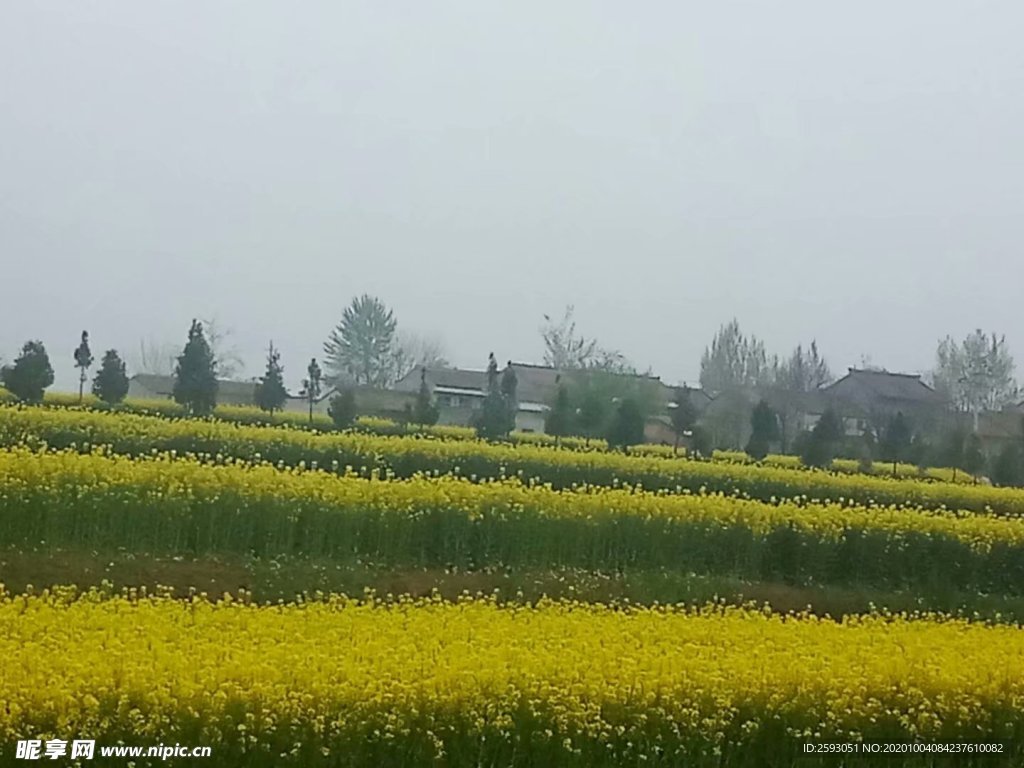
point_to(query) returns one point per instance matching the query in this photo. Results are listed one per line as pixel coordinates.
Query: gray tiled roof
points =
(883, 384)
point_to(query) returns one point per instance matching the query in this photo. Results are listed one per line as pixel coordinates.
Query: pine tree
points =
(558, 421)
(30, 374)
(83, 360)
(311, 385)
(424, 411)
(627, 427)
(270, 392)
(682, 417)
(361, 348)
(195, 375)
(509, 387)
(765, 431)
(492, 421)
(342, 409)
(111, 382)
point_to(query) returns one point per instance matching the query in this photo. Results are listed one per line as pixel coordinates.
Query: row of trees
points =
(31, 373)
(195, 373)
(735, 360)
(974, 375)
(898, 442)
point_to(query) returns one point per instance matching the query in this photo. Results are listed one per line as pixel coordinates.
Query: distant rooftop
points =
(887, 385)
(228, 391)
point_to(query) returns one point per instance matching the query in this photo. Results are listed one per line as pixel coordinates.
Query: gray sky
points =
(847, 171)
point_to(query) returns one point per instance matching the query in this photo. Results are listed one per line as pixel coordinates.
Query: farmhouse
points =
(382, 403)
(459, 393)
(862, 399)
(868, 398)
(149, 386)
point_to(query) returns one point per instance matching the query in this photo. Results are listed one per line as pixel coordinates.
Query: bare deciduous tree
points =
(567, 350)
(155, 357)
(229, 360)
(413, 350)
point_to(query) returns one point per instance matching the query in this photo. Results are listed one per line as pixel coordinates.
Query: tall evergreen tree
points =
(195, 375)
(111, 382)
(311, 385)
(424, 411)
(361, 348)
(271, 394)
(764, 431)
(510, 396)
(627, 426)
(492, 420)
(83, 360)
(558, 421)
(30, 373)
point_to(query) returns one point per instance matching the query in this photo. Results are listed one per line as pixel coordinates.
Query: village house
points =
(863, 399)
(370, 401)
(150, 386)
(459, 394)
(868, 398)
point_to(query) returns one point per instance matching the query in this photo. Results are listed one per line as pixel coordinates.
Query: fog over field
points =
(847, 172)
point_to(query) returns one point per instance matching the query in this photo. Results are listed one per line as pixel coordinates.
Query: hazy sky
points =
(852, 172)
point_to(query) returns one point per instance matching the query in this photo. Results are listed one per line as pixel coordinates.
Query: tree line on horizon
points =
(612, 401)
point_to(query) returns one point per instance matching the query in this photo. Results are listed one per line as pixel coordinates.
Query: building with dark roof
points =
(459, 393)
(149, 386)
(871, 397)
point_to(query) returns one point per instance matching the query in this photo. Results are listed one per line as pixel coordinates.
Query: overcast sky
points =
(851, 172)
